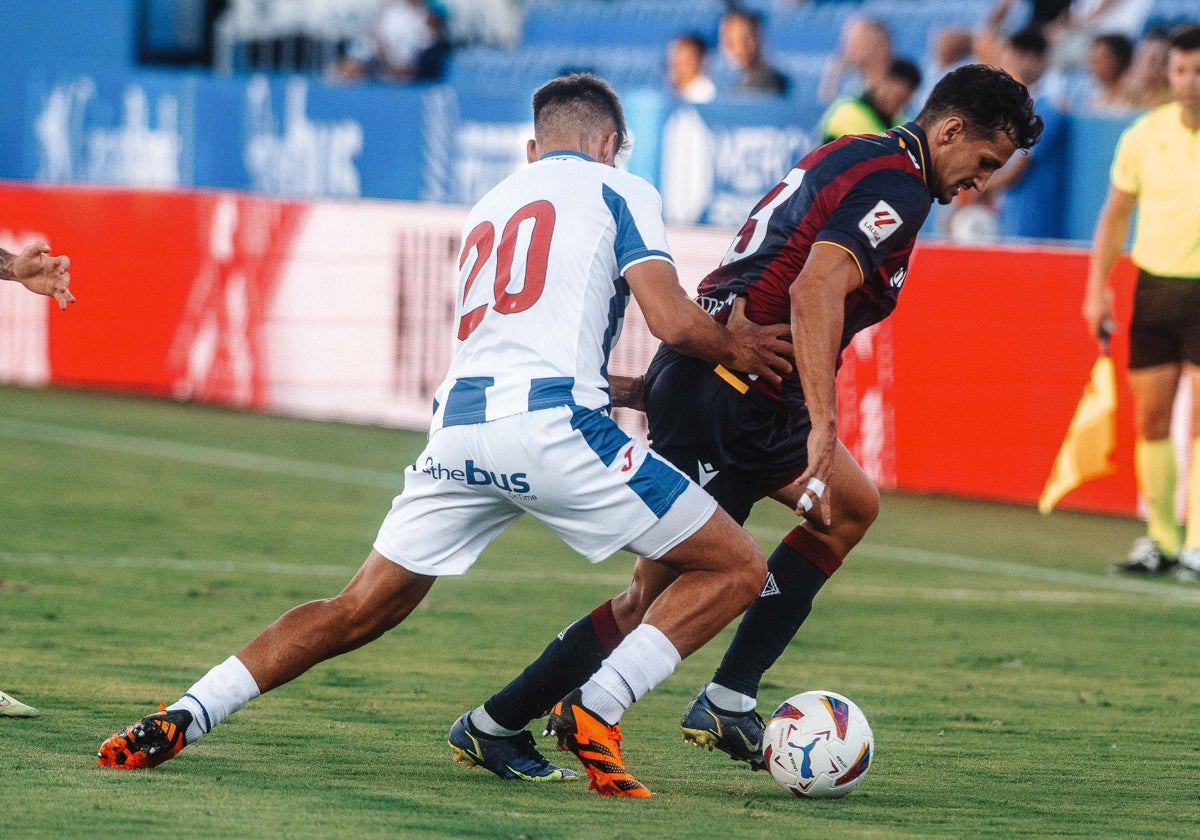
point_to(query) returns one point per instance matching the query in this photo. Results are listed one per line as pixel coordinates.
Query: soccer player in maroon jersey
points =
(827, 251)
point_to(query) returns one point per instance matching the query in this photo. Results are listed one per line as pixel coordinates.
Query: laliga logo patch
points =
(880, 223)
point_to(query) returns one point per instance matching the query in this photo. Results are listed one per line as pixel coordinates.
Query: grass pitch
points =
(1015, 688)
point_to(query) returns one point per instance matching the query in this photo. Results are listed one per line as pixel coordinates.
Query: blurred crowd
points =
(1078, 57)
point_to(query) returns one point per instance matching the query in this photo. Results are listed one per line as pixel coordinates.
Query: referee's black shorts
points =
(1165, 328)
(739, 447)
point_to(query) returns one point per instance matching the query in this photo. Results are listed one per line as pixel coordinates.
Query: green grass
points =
(1015, 688)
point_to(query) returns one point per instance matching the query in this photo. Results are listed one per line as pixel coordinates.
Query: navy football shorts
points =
(739, 447)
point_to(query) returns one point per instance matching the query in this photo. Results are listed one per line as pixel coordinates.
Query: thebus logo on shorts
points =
(476, 476)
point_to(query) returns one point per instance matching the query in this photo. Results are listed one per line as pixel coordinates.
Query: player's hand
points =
(1097, 313)
(815, 483)
(764, 351)
(37, 271)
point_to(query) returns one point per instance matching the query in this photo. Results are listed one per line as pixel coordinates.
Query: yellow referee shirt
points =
(1158, 160)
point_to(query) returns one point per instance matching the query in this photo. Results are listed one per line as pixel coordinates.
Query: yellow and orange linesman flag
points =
(1086, 451)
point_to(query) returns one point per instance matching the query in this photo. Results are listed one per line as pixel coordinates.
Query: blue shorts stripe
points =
(467, 401)
(600, 432)
(658, 485)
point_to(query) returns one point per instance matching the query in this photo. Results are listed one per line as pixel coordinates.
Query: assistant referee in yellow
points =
(1157, 169)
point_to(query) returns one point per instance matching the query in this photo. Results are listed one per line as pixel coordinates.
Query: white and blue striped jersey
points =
(541, 293)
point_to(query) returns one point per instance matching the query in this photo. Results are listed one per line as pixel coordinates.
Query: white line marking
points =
(275, 465)
(583, 575)
(209, 456)
(963, 563)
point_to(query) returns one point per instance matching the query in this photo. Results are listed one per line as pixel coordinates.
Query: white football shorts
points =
(573, 468)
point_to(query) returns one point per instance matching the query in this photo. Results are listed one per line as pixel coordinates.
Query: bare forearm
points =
(6, 262)
(692, 332)
(818, 313)
(1109, 243)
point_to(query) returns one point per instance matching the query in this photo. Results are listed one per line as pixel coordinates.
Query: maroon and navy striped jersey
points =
(867, 194)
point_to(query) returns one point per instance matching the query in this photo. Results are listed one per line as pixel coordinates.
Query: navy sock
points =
(776, 615)
(564, 665)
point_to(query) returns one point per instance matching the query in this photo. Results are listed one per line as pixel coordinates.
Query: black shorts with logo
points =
(738, 447)
(1165, 328)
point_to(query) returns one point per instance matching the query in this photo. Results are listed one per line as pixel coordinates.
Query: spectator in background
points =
(952, 47)
(1028, 190)
(407, 42)
(1146, 82)
(1050, 17)
(878, 109)
(741, 44)
(1154, 169)
(686, 69)
(863, 61)
(1109, 59)
(1088, 18)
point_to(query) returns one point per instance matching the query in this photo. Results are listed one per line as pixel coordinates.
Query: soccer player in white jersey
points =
(521, 425)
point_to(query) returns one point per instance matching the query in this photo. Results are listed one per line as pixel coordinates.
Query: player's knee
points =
(748, 576)
(630, 606)
(866, 511)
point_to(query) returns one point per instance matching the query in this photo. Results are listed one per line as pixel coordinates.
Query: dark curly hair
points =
(988, 100)
(579, 99)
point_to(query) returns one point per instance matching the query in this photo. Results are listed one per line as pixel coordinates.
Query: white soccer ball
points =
(818, 745)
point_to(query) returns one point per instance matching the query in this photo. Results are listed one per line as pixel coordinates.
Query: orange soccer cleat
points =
(597, 746)
(148, 743)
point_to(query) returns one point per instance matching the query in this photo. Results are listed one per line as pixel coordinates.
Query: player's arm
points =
(1112, 228)
(39, 272)
(818, 306)
(677, 320)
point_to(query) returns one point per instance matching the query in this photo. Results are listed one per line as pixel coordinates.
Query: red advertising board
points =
(346, 310)
(991, 358)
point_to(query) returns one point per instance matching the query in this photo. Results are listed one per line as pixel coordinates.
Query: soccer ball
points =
(818, 745)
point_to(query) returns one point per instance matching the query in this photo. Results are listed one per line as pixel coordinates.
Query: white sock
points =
(485, 723)
(729, 700)
(644, 658)
(218, 694)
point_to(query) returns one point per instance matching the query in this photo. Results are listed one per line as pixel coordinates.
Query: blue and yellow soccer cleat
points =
(740, 735)
(515, 757)
(147, 743)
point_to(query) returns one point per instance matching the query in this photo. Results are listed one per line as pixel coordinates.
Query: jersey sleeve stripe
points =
(645, 256)
(630, 245)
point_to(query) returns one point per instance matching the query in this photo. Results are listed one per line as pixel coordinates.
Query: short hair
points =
(989, 100)
(1031, 39)
(579, 100)
(751, 17)
(694, 41)
(1185, 37)
(1120, 46)
(905, 71)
